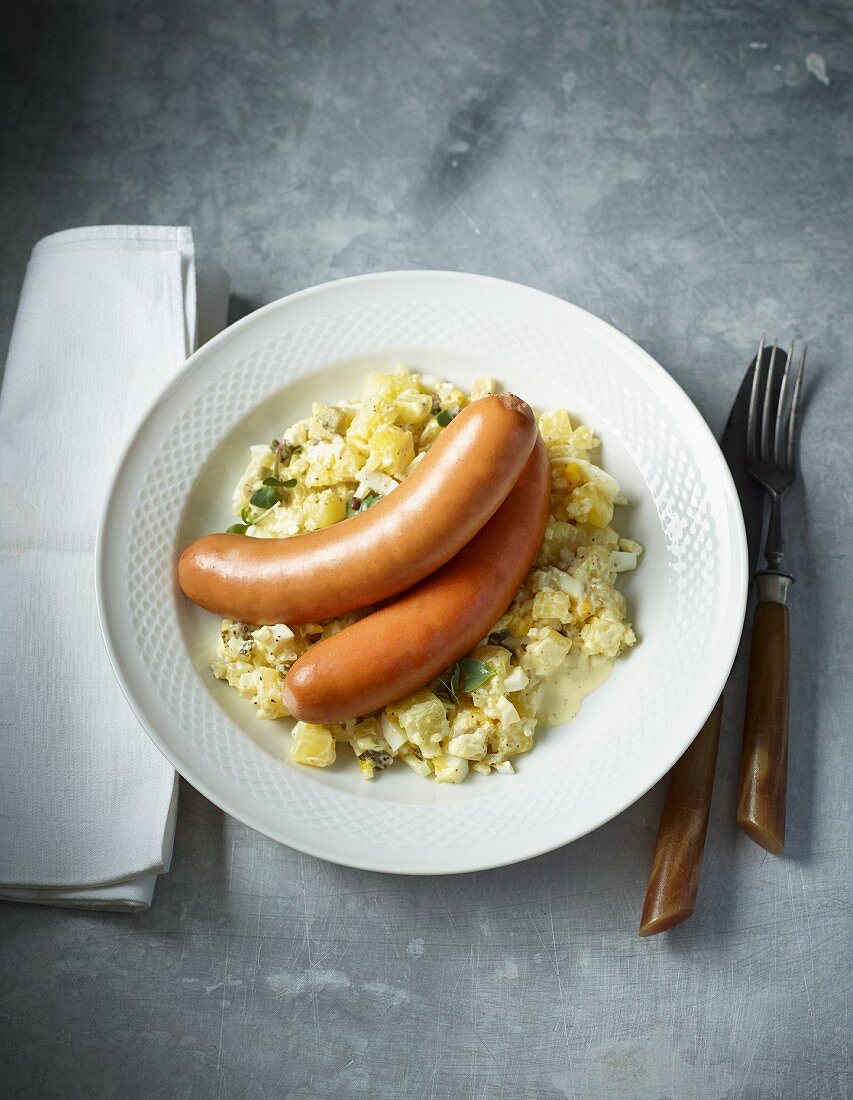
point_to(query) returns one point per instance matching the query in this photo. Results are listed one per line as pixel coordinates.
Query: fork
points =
(772, 444)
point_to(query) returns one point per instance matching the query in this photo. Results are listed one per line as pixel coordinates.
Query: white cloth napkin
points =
(107, 314)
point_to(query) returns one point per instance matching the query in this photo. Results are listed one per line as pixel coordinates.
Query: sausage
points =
(450, 494)
(401, 647)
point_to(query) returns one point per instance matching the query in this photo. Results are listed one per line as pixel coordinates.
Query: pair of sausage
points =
(469, 519)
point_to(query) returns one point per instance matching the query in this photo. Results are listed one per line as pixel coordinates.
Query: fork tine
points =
(752, 418)
(766, 444)
(792, 421)
(779, 427)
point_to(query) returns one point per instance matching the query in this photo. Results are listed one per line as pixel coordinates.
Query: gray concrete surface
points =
(684, 171)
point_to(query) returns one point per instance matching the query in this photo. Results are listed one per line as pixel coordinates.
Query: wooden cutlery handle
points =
(674, 877)
(764, 761)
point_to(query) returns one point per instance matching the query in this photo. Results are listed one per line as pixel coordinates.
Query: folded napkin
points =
(107, 315)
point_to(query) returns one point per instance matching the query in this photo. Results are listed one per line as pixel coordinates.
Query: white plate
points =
(686, 600)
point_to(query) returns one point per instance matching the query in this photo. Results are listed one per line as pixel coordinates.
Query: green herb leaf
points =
(274, 483)
(446, 680)
(474, 673)
(238, 528)
(449, 680)
(246, 516)
(444, 417)
(265, 497)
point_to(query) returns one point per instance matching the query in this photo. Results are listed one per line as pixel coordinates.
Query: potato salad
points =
(482, 712)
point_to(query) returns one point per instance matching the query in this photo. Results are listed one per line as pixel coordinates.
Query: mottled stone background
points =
(683, 170)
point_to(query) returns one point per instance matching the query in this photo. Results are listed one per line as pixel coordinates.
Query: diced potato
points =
(232, 671)
(388, 387)
(323, 509)
(584, 439)
(367, 737)
(343, 731)
(312, 744)
(525, 700)
(237, 671)
(470, 746)
(373, 415)
(496, 657)
(247, 684)
(485, 696)
(423, 718)
(467, 719)
(589, 504)
(411, 409)
(520, 623)
(605, 634)
(593, 563)
(592, 473)
(482, 387)
(516, 739)
(391, 450)
(269, 701)
(556, 426)
(548, 604)
(547, 652)
(559, 537)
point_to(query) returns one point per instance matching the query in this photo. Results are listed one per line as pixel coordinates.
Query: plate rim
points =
(738, 585)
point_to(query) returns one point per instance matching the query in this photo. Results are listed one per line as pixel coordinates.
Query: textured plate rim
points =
(738, 580)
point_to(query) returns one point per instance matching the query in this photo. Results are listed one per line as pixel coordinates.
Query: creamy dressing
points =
(562, 691)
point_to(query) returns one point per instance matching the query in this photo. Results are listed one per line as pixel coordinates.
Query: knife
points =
(677, 863)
